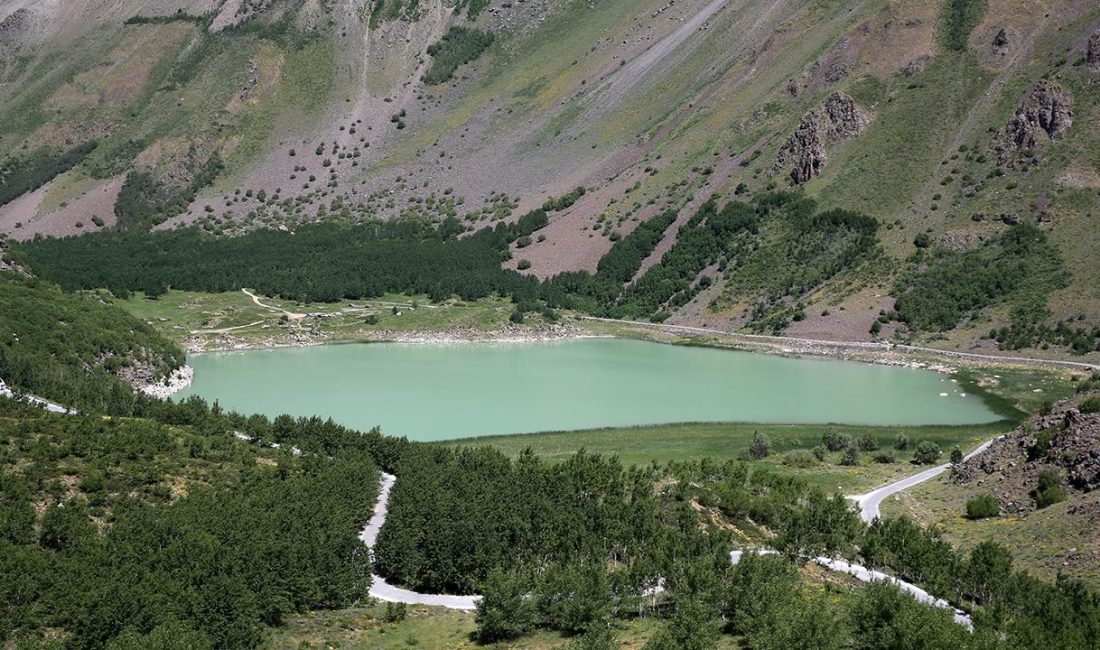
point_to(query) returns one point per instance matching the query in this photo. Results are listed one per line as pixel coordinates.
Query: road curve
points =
(383, 590)
(869, 503)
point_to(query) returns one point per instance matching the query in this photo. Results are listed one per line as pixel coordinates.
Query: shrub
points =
(1049, 490)
(927, 453)
(819, 452)
(799, 458)
(885, 457)
(834, 441)
(458, 46)
(851, 456)
(523, 265)
(902, 442)
(1091, 405)
(982, 507)
(956, 455)
(868, 442)
(761, 446)
(394, 613)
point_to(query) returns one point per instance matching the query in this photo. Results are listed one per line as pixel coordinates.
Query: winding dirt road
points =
(289, 314)
(384, 591)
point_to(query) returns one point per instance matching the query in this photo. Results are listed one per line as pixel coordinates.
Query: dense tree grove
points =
(446, 532)
(21, 175)
(173, 529)
(69, 347)
(144, 201)
(324, 262)
(458, 46)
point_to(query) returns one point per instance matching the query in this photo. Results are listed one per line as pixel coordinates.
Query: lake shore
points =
(581, 327)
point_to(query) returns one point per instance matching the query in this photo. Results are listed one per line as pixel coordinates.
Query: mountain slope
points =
(242, 115)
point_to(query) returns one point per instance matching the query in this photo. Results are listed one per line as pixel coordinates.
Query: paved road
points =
(855, 345)
(869, 503)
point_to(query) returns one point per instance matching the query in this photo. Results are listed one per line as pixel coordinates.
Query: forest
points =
(1020, 268)
(577, 545)
(70, 347)
(170, 528)
(458, 46)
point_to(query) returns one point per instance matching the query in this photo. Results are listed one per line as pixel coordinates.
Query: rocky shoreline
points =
(176, 381)
(507, 334)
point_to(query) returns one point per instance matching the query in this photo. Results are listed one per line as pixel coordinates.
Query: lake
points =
(444, 391)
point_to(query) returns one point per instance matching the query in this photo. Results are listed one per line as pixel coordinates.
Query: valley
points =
(652, 324)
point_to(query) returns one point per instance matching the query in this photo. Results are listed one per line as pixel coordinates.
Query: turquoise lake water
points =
(438, 392)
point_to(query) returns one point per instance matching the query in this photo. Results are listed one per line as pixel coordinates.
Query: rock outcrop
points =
(804, 153)
(1046, 113)
(1092, 55)
(1065, 439)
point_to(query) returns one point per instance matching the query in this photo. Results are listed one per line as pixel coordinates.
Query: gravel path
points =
(289, 314)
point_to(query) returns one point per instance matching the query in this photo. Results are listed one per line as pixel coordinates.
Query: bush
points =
(982, 507)
(868, 442)
(1091, 405)
(1049, 490)
(956, 455)
(834, 441)
(799, 458)
(902, 442)
(885, 457)
(761, 446)
(459, 46)
(928, 453)
(394, 613)
(851, 456)
(819, 452)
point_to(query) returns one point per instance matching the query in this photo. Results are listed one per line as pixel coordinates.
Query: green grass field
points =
(729, 441)
(203, 320)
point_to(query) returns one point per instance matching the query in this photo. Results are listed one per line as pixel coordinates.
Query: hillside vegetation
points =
(945, 123)
(73, 348)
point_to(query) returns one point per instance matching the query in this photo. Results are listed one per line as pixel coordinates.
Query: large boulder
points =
(804, 153)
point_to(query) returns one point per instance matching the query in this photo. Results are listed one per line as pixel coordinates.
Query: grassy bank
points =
(730, 441)
(209, 320)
